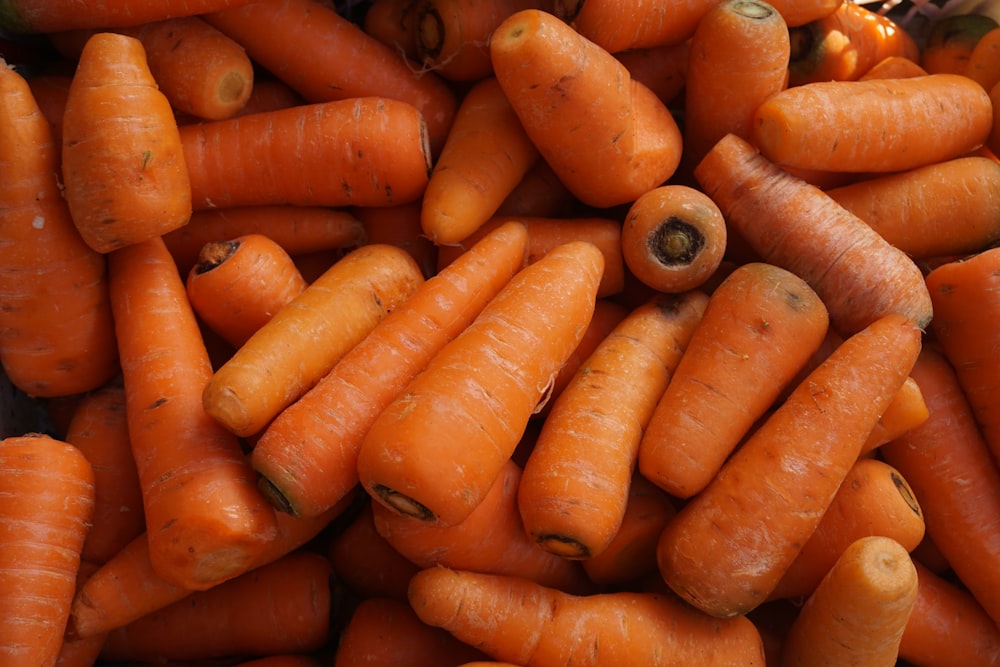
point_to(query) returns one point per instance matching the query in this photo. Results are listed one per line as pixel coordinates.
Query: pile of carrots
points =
(495, 332)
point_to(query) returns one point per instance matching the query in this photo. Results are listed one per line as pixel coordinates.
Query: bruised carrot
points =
(400, 226)
(124, 173)
(433, 453)
(392, 23)
(308, 335)
(789, 223)
(760, 327)
(575, 486)
(48, 16)
(907, 410)
(662, 69)
(951, 41)
(519, 621)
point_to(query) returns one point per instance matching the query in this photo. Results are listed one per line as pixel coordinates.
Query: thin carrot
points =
(951, 41)
(433, 453)
(859, 611)
(575, 487)
(760, 326)
(893, 67)
(563, 87)
(124, 173)
(46, 501)
(204, 516)
(48, 16)
(55, 317)
(306, 337)
(400, 226)
(983, 65)
(485, 156)
(307, 457)
(858, 274)
(392, 23)
(366, 151)
(907, 410)
(772, 493)
(239, 284)
(662, 69)
(895, 124)
(519, 621)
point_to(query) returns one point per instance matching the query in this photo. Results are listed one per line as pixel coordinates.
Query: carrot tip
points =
(403, 503)
(274, 496)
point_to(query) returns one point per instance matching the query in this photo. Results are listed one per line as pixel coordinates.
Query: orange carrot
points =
(895, 124)
(486, 154)
(239, 284)
(433, 453)
(662, 69)
(123, 167)
(55, 318)
(50, 91)
(893, 67)
(951, 41)
(983, 65)
(284, 358)
(993, 141)
(772, 493)
(759, 329)
(366, 151)
(400, 226)
(538, 194)
(519, 621)
(307, 457)
(563, 87)
(268, 94)
(575, 488)
(859, 611)
(907, 410)
(930, 556)
(392, 23)
(857, 274)
(81, 651)
(673, 238)
(617, 26)
(47, 16)
(204, 516)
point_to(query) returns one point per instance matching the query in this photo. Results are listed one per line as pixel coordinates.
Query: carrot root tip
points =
(403, 503)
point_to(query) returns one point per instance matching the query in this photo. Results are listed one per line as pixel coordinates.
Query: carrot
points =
(55, 318)
(993, 141)
(662, 69)
(859, 611)
(909, 209)
(368, 151)
(400, 226)
(282, 360)
(239, 284)
(268, 94)
(759, 329)
(951, 41)
(873, 499)
(519, 621)
(563, 86)
(434, 452)
(906, 410)
(49, 16)
(844, 45)
(983, 65)
(282, 607)
(392, 23)
(575, 488)
(50, 91)
(858, 275)
(485, 156)
(673, 238)
(307, 458)
(951, 471)
(324, 56)
(81, 652)
(538, 194)
(124, 173)
(891, 123)
(772, 493)
(893, 67)
(619, 26)
(204, 516)
(928, 554)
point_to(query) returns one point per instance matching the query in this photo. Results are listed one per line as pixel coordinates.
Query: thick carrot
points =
(237, 285)
(48, 16)
(400, 226)
(485, 156)
(434, 452)
(55, 318)
(519, 621)
(772, 493)
(306, 337)
(760, 327)
(124, 173)
(673, 238)
(392, 23)
(575, 487)
(364, 151)
(789, 223)
(858, 613)
(205, 518)
(662, 69)
(895, 124)
(324, 56)
(983, 65)
(951, 41)
(564, 87)
(46, 501)
(307, 457)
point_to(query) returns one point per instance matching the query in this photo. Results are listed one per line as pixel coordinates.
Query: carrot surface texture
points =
(516, 620)
(434, 452)
(951, 41)
(45, 16)
(564, 87)
(124, 173)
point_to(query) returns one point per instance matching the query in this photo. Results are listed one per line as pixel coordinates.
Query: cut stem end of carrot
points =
(676, 243)
(564, 546)
(403, 503)
(274, 496)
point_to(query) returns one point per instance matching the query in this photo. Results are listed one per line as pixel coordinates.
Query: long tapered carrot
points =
(307, 457)
(519, 621)
(574, 490)
(205, 518)
(46, 16)
(772, 493)
(434, 452)
(789, 223)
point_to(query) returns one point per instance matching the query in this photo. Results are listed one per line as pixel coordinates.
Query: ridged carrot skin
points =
(45, 16)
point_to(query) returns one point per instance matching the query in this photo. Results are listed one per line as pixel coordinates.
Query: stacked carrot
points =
(499, 333)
